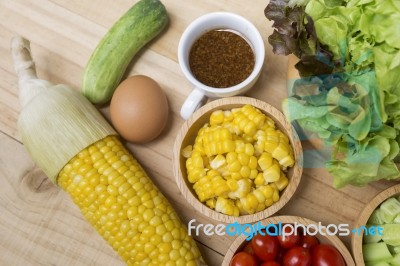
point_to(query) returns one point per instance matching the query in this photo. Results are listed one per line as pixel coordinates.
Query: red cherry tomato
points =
(309, 242)
(243, 259)
(297, 256)
(280, 255)
(265, 247)
(290, 239)
(248, 248)
(270, 263)
(327, 255)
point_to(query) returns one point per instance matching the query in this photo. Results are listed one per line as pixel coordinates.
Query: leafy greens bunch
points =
(349, 93)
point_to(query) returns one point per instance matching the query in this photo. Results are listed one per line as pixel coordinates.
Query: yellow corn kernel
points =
(283, 138)
(234, 166)
(245, 171)
(198, 147)
(258, 147)
(267, 191)
(220, 188)
(232, 184)
(273, 173)
(236, 175)
(259, 180)
(253, 173)
(226, 206)
(249, 149)
(228, 145)
(275, 196)
(243, 158)
(211, 203)
(259, 195)
(253, 162)
(122, 205)
(240, 146)
(195, 174)
(265, 161)
(231, 157)
(217, 117)
(282, 182)
(187, 151)
(223, 171)
(270, 145)
(249, 203)
(211, 173)
(269, 202)
(281, 151)
(218, 161)
(287, 161)
(261, 206)
(239, 188)
(197, 160)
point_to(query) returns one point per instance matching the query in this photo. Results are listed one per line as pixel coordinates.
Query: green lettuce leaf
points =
(349, 95)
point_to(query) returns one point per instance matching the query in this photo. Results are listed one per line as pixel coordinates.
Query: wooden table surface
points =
(39, 224)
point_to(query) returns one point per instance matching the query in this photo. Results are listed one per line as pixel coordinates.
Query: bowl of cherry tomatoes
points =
(287, 241)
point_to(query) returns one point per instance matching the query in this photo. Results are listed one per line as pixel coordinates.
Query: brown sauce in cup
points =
(221, 59)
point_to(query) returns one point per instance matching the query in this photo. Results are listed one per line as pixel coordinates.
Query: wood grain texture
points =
(188, 133)
(39, 225)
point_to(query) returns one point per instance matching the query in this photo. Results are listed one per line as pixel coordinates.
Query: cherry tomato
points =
(265, 247)
(309, 242)
(297, 256)
(290, 239)
(248, 249)
(270, 263)
(280, 255)
(243, 259)
(327, 255)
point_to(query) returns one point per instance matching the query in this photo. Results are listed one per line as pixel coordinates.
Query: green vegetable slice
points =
(376, 252)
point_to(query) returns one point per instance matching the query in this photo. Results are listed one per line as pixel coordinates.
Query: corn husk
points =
(56, 121)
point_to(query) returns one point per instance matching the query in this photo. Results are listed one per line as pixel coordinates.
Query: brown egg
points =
(139, 109)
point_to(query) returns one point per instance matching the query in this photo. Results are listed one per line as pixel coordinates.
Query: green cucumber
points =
(396, 219)
(396, 260)
(110, 59)
(390, 208)
(391, 234)
(396, 250)
(371, 237)
(376, 217)
(376, 252)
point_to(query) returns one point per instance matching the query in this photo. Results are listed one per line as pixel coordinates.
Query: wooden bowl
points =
(357, 239)
(188, 133)
(240, 241)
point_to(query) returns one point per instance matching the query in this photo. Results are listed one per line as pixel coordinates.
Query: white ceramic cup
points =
(203, 24)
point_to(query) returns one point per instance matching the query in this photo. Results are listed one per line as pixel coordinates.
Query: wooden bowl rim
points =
(333, 240)
(356, 240)
(278, 117)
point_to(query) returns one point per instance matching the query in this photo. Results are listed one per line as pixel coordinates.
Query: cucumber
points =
(396, 250)
(391, 234)
(390, 208)
(376, 217)
(396, 260)
(110, 59)
(376, 252)
(371, 238)
(396, 219)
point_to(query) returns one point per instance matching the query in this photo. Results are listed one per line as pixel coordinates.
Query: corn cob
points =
(246, 155)
(79, 151)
